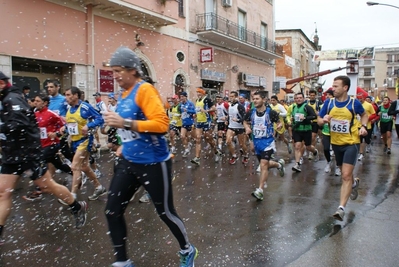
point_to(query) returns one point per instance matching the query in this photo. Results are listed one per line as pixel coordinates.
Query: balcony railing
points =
(213, 22)
(368, 73)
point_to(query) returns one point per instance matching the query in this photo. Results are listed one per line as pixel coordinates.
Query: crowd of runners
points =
(61, 133)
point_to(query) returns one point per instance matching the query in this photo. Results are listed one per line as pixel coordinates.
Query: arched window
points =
(179, 84)
(144, 69)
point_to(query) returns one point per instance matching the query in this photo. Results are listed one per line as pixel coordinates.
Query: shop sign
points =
(106, 81)
(210, 75)
(251, 80)
(206, 54)
(262, 82)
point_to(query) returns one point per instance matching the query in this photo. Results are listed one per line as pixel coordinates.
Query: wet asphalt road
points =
(228, 226)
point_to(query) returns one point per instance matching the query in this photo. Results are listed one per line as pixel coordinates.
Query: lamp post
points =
(381, 4)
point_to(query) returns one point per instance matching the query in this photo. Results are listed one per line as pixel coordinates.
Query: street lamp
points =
(375, 3)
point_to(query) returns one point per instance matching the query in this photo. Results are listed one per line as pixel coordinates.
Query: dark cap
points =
(330, 92)
(3, 76)
(125, 58)
(97, 94)
(183, 94)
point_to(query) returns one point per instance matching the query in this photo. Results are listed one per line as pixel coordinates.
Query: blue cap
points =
(112, 95)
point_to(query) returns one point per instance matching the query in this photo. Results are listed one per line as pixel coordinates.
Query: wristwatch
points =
(127, 124)
(365, 126)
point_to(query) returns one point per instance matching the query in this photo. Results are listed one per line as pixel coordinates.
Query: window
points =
(242, 25)
(180, 56)
(263, 35)
(181, 8)
(179, 84)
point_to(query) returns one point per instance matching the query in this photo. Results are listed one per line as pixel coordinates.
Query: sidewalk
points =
(371, 240)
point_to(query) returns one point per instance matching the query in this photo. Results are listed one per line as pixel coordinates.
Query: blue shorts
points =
(84, 144)
(206, 126)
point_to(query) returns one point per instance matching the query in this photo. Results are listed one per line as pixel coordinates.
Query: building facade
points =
(298, 60)
(386, 73)
(218, 45)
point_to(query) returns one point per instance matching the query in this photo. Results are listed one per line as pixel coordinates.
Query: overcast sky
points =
(341, 24)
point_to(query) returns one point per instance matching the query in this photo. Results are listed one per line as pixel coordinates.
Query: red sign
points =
(206, 54)
(105, 81)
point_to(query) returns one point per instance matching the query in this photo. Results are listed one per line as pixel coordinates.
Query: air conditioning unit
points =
(242, 77)
(227, 3)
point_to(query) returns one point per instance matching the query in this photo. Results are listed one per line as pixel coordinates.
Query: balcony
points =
(217, 30)
(368, 73)
(393, 62)
(149, 13)
(366, 62)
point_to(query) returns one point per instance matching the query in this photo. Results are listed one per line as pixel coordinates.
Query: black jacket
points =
(19, 128)
(392, 108)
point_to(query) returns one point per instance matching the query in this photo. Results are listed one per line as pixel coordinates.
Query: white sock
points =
(185, 251)
(342, 208)
(354, 183)
(74, 195)
(99, 187)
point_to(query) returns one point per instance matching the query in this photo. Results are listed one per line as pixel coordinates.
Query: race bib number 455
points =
(128, 136)
(339, 126)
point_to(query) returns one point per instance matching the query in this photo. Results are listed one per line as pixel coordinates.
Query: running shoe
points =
(301, 160)
(98, 192)
(258, 194)
(289, 148)
(33, 196)
(196, 161)
(173, 150)
(218, 155)
(310, 155)
(327, 169)
(145, 198)
(186, 153)
(337, 171)
(97, 173)
(81, 215)
(296, 167)
(233, 160)
(360, 157)
(187, 260)
(354, 192)
(58, 171)
(385, 149)
(368, 149)
(281, 168)
(245, 160)
(258, 169)
(316, 156)
(339, 214)
(128, 264)
(241, 151)
(83, 180)
(389, 151)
